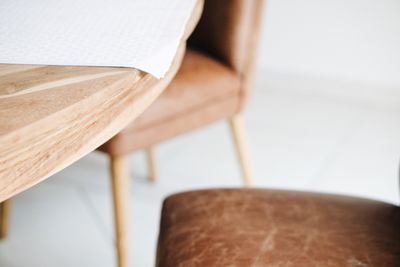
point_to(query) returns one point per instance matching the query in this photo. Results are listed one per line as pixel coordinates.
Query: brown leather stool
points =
(253, 227)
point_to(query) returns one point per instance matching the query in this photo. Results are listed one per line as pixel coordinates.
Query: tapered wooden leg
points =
(120, 192)
(240, 141)
(151, 163)
(5, 208)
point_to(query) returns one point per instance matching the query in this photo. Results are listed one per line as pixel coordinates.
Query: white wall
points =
(345, 39)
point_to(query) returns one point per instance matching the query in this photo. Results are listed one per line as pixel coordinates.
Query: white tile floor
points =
(307, 134)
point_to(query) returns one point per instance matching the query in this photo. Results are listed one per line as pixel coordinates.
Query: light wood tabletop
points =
(51, 116)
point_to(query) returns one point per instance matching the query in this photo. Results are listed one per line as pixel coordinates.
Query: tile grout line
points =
(324, 166)
(98, 221)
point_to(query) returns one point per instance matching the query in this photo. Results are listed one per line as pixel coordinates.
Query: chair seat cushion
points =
(203, 91)
(240, 227)
(199, 81)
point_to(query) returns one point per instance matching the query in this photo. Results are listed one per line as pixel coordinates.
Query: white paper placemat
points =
(142, 34)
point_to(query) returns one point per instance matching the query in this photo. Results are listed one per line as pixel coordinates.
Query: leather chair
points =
(255, 227)
(212, 84)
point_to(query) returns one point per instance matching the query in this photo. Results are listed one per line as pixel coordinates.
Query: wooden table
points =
(52, 116)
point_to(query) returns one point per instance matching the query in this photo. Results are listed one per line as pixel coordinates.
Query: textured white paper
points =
(142, 34)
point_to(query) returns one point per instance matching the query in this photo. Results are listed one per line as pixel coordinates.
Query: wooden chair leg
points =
(240, 141)
(151, 162)
(120, 192)
(5, 208)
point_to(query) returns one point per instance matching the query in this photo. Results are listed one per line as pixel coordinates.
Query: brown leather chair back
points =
(228, 30)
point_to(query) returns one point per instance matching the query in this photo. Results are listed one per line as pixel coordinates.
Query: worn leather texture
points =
(212, 84)
(255, 227)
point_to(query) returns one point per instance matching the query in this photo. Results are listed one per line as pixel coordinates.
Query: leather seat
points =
(200, 80)
(236, 227)
(213, 84)
(204, 90)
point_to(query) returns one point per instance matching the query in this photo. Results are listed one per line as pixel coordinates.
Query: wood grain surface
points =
(50, 116)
